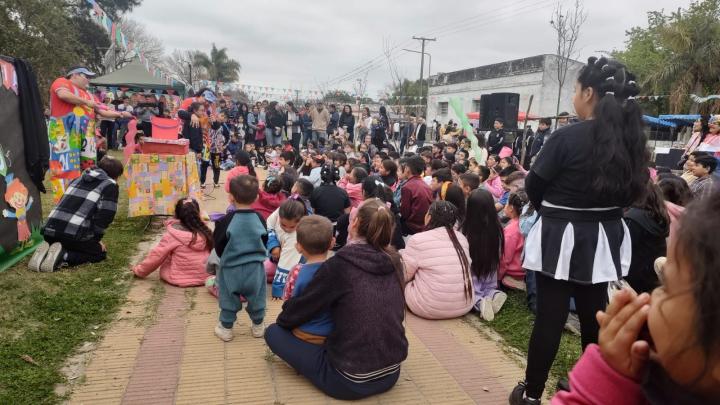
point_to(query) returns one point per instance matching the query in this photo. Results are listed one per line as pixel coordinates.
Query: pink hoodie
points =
(181, 263)
(510, 262)
(354, 191)
(593, 381)
(267, 203)
(494, 186)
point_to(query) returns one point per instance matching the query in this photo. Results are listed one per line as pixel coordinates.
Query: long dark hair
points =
(445, 214)
(187, 211)
(455, 195)
(349, 113)
(243, 158)
(484, 233)
(654, 204)
(620, 157)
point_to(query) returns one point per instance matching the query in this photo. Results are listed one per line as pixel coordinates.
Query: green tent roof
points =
(136, 75)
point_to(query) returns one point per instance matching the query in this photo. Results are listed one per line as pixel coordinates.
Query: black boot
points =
(517, 396)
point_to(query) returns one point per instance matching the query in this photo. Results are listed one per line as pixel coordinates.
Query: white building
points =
(535, 75)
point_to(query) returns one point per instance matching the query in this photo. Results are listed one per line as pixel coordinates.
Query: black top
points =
(648, 243)
(329, 201)
(564, 165)
(361, 289)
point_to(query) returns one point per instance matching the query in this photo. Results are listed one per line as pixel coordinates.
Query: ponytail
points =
(375, 224)
(187, 211)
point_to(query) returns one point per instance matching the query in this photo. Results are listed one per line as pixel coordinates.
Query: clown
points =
(17, 197)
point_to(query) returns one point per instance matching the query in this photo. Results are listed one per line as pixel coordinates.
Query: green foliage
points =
(219, 66)
(676, 53)
(407, 91)
(339, 96)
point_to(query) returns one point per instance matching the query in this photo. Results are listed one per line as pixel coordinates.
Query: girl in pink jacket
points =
(662, 348)
(437, 267)
(352, 184)
(183, 250)
(510, 271)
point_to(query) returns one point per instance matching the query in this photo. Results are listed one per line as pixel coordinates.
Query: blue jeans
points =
(312, 362)
(319, 136)
(275, 138)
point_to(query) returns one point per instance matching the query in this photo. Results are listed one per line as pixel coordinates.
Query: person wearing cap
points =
(205, 96)
(69, 95)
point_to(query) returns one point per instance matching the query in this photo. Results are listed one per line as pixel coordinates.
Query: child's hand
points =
(275, 253)
(620, 326)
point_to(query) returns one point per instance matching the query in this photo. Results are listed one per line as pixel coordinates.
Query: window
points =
(476, 105)
(443, 108)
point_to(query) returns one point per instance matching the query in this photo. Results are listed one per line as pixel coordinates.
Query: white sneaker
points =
(498, 300)
(53, 258)
(486, 309)
(223, 333)
(258, 330)
(38, 257)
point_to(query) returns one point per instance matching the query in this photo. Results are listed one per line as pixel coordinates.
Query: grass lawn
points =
(515, 322)
(44, 317)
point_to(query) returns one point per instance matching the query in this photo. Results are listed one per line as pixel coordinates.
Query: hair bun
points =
(591, 60)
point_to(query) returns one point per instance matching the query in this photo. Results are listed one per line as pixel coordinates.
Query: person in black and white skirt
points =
(581, 181)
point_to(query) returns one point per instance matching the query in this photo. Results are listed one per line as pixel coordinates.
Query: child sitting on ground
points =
(270, 195)
(75, 227)
(510, 271)
(352, 184)
(240, 239)
(281, 242)
(314, 240)
(183, 250)
(664, 348)
(243, 165)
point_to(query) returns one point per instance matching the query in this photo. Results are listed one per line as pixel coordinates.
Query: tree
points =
(151, 46)
(567, 24)
(184, 65)
(220, 67)
(675, 54)
(339, 96)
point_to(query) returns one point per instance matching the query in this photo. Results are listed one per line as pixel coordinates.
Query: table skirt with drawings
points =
(155, 183)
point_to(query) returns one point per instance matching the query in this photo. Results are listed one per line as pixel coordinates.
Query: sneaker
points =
(216, 186)
(223, 333)
(38, 257)
(563, 385)
(572, 324)
(517, 396)
(258, 330)
(498, 300)
(53, 258)
(486, 309)
(513, 283)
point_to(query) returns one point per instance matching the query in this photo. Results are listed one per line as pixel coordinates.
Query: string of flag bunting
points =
(100, 17)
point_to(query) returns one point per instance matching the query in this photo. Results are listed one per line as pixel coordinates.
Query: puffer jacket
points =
(435, 287)
(354, 191)
(181, 263)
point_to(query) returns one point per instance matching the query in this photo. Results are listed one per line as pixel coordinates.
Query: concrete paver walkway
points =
(173, 357)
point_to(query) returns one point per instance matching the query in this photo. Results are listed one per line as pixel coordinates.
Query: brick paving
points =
(176, 359)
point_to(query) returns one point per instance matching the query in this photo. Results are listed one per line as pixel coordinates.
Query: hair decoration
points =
(612, 93)
(610, 78)
(631, 98)
(381, 207)
(631, 83)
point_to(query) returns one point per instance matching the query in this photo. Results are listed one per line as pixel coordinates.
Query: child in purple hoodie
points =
(662, 348)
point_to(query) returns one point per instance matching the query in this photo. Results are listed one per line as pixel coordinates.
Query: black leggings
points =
(80, 252)
(215, 161)
(552, 311)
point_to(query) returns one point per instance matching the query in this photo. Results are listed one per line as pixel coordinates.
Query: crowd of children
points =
(441, 233)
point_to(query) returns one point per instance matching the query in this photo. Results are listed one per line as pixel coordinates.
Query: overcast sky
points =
(303, 43)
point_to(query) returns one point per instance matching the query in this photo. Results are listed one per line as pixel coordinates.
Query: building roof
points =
(522, 66)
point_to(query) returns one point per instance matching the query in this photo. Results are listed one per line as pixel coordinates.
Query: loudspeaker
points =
(499, 105)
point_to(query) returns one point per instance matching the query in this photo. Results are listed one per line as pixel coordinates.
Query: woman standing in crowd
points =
(587, 173)
(437, 267)
(380, 129)
(251, 121)
(362, 286)
(275, 123)
(347, 122)
(294, 125)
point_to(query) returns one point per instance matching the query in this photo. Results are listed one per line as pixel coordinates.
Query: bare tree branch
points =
(567, 25)
(151, 46)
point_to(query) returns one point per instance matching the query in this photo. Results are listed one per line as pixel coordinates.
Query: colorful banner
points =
(157, 182)
(20, 208)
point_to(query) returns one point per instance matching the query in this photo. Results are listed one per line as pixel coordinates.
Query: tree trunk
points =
(695, 107)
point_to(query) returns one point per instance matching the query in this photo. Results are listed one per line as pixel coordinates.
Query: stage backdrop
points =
(19, 198)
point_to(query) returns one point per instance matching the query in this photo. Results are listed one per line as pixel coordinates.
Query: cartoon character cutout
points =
(18, 198)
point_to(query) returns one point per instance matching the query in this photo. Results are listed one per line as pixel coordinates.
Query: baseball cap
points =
(80, 70)
(209, 96)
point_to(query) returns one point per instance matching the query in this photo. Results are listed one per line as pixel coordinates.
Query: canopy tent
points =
(680, 119)
(474, 115)
(135, 75)
(653, 121)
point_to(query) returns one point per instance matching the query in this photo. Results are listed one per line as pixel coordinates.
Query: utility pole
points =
(297, 96)
(422, 62)
(191, 78)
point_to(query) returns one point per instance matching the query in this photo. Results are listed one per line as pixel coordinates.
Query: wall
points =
(523, 76)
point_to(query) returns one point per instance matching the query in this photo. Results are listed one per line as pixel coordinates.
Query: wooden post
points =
(525, 130)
